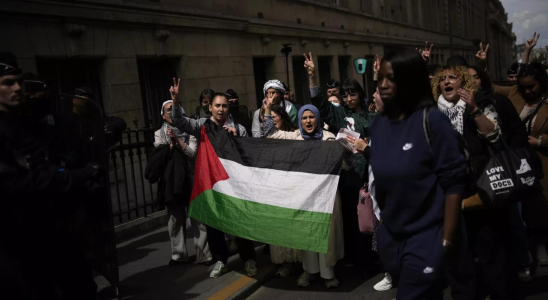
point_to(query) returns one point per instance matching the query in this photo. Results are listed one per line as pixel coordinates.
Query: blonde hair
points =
(461, 72)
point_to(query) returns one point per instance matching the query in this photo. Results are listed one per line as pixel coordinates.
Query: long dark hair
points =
(486, 84)
(286, 121)
(352, 86)
(412, 82)
(537, 71)
(207, 92)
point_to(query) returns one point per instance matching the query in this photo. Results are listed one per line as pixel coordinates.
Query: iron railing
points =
(132, 195)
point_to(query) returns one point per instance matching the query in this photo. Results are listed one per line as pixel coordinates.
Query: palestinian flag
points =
(279, 192)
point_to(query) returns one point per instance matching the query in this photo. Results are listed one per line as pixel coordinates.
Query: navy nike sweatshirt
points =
(412, 177)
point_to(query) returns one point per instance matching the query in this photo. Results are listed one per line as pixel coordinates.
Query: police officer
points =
(36, 262)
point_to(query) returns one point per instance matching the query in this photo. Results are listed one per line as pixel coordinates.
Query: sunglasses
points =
(351, 95)
(169, 109)
(452, 78)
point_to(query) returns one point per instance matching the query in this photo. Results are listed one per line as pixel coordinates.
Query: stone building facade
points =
(129, 49)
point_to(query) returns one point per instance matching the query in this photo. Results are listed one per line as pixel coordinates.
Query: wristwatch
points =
(477, 112)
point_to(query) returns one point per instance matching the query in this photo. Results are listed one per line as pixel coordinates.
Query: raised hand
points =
(426, 52)
(482, 54)
(532, 42)
(372, 107)
(377, 64)
(468, 97)
(309, 64)
(174, 91)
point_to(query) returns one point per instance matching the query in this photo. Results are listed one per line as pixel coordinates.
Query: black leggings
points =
(219, 249)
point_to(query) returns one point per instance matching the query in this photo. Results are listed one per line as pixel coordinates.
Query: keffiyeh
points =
(455, 112)
(166, 139)
(273, 84)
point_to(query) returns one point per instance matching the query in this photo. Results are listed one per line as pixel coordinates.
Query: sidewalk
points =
(144, 273)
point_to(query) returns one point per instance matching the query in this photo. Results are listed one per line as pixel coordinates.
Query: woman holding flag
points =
(313, 262)
(216, 238)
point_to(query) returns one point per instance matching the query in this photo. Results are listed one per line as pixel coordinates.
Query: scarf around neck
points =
(455, 112)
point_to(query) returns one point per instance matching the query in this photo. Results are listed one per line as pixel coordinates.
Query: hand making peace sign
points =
(309, 64)
(174, 91)
(532, 42)
(426, 52)
(482, 54)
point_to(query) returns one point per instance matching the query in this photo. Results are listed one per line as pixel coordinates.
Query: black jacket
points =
(174, 175)
(512, 129)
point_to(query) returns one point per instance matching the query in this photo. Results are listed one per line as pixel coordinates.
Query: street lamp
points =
(286, 50)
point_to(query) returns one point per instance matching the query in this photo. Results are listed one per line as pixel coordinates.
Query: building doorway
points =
(155, 76)
(262, 70)
(300, 76)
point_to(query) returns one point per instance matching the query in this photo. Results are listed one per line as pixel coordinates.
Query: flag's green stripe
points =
(274, 225)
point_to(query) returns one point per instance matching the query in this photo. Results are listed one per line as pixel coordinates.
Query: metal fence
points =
(132, 195)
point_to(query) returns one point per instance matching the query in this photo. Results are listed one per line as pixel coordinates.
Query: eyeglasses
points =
(351, 95)
(273, 93)
(452, 78)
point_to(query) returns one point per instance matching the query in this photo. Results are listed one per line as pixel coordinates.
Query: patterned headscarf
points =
(318, 133)
(273, 84)
(166, 139)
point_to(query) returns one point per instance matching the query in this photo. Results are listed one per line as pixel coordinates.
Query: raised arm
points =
(184, 124)
(529, 45)
(317, 99)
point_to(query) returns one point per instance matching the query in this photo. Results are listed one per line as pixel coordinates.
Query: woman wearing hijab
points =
(313, 262)
(173, 162)
(352, 115)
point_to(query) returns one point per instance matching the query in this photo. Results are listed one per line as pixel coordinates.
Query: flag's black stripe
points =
(315, 157)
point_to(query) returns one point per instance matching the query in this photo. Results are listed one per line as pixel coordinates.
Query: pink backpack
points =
(365, 211)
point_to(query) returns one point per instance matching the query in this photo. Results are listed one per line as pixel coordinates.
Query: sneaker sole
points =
(383, 289)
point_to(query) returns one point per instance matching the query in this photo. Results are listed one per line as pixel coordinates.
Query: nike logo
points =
(407, 147)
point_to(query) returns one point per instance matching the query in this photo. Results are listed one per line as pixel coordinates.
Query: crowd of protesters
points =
(426, 140)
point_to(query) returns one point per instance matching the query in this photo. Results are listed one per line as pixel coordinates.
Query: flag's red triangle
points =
(209, 169)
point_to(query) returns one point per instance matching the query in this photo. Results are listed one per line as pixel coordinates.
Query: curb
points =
(252, 287)
(140, 226)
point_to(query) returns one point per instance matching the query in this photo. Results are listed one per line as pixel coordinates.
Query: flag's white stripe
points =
(295, 190)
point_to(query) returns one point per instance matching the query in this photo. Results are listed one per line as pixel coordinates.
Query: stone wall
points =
(213, 42)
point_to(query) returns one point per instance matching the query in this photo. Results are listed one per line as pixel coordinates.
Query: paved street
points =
(144, 275)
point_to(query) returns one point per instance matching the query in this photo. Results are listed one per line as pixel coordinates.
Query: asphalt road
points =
(356, 286)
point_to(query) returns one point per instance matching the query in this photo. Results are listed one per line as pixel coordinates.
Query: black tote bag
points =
(509, 176)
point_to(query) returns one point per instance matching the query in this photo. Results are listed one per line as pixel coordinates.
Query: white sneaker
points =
(218, 270)
(251, 268)
(524, 275)
(305, 278)
(385, 284)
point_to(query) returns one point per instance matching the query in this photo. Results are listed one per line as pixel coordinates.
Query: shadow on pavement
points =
(133, 251)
